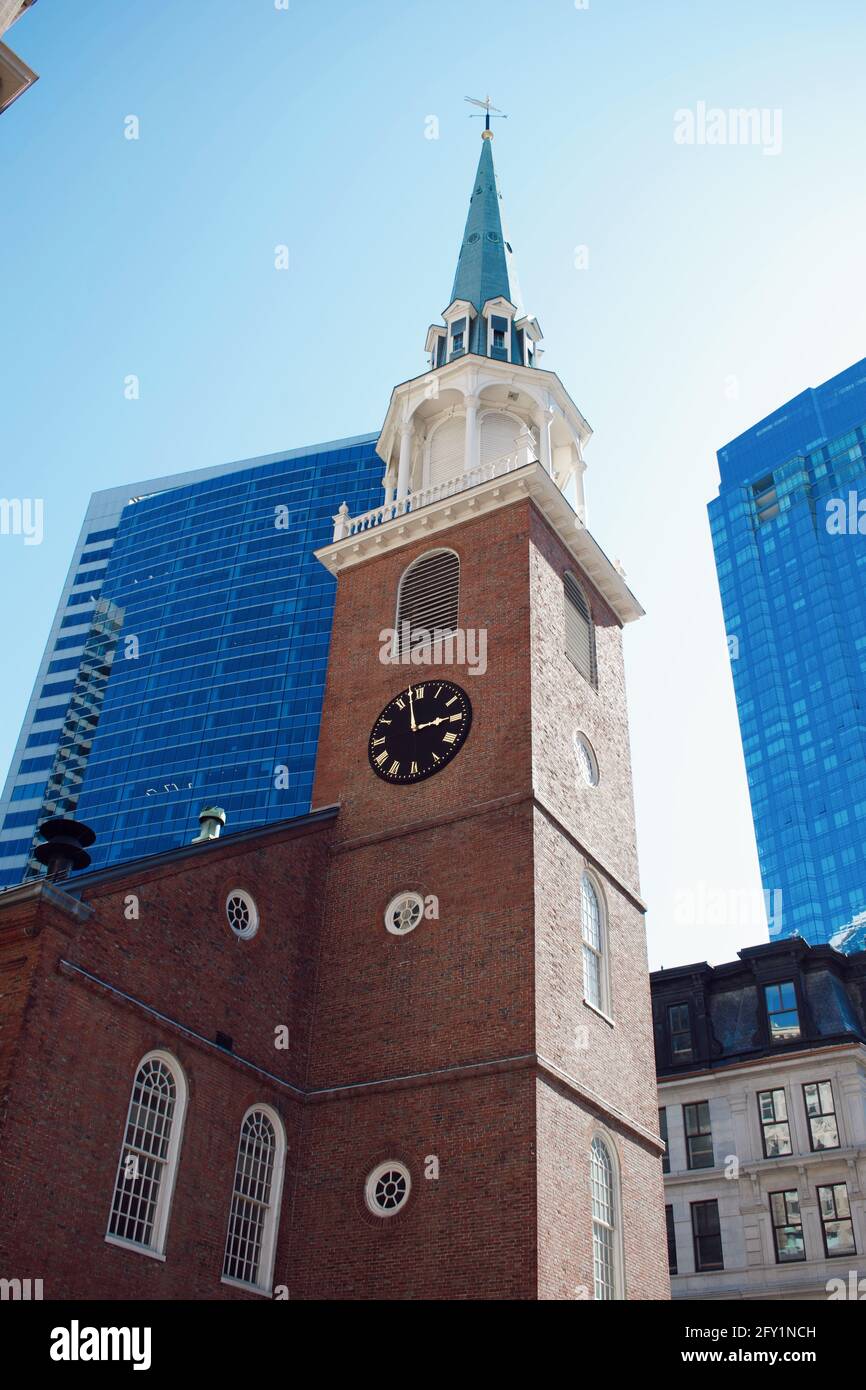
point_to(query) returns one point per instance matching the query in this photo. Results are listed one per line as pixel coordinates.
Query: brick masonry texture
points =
(467, 1041)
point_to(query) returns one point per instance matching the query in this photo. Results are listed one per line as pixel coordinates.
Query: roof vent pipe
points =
(212, 819)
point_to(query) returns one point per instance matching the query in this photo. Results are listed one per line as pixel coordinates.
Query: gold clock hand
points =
(413, 725)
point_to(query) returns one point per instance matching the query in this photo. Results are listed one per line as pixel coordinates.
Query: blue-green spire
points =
(486, 269)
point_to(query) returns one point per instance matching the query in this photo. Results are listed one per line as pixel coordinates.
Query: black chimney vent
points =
(64, 848)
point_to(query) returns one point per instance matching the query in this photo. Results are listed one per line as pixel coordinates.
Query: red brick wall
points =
(457, 989)
(18, 961)
(563, 702)
(495, 761)
(181, 956)
(62, 1142)
(565, 1266)
(468, 1235)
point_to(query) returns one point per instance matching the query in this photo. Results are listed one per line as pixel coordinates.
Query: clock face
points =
(420, 731)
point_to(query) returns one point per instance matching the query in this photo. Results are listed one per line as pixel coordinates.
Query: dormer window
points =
(679, 1032)
(782, 1016)
(499, 336)
(457, 342)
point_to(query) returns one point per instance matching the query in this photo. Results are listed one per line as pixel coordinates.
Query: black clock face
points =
(420, 731)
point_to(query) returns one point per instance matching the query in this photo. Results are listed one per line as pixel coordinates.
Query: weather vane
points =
(489, 109)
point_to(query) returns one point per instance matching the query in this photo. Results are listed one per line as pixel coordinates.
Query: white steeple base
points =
(475, 413)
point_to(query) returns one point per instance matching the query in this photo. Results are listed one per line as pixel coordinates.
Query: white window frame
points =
(602, 952)
(394, 1165)
(581, 743)
(605, 1139)
(156, 1249)
(406, 894)
(267, 1253)
(249, 901)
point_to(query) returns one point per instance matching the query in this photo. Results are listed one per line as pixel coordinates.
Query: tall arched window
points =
(148, 1156)
(605, 1214)
(252, 1233)
(593, 929)
(428, 599)
(579, 629)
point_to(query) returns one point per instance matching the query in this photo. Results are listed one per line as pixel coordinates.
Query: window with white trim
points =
(403, 913)
(593, 932)
(148, 1156)
(242, 914)
(579, 629)
(387, 1188)
(604, 1216)
(251, 1237)
(428, 599)
(586, 759)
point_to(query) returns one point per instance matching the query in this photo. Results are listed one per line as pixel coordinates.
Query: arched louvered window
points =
(448, 451)
(579, 629)
(428, 600)
(499, 436)
(148, 1156)
(594, 933)
(252, 1232)
(605, 1235)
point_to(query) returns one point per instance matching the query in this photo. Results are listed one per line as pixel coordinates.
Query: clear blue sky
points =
(306, 127)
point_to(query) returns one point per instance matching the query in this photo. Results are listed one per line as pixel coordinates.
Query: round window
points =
(403, 913)
(242, 914)
(586, 760)
(387, 1188)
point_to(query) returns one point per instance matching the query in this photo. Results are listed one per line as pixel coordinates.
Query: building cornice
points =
(718, 1067)
(531, 481)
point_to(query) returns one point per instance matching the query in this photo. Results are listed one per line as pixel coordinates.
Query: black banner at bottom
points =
(223, 1338)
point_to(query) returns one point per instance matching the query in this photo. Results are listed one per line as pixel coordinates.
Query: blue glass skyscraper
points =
(793, 588)
(186, 662)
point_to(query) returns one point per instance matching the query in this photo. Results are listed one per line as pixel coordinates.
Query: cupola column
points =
(472, 453)
(405, 460)
(542, 419)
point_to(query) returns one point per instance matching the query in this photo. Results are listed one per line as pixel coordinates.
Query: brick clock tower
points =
(482, 988)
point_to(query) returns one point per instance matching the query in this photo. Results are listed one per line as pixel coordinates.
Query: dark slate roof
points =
(726, 1004)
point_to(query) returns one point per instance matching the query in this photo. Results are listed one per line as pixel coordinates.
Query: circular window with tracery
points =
(403, 913)
(387, 1188)
(586, 760)
(242, 914)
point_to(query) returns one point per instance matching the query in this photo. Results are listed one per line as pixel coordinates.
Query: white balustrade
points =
(345, 526)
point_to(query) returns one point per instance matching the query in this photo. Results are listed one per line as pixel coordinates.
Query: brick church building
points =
(400, 1047)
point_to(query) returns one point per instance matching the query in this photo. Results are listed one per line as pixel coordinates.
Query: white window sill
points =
(249, 1288)
(607, 1018)
(139, 1249)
